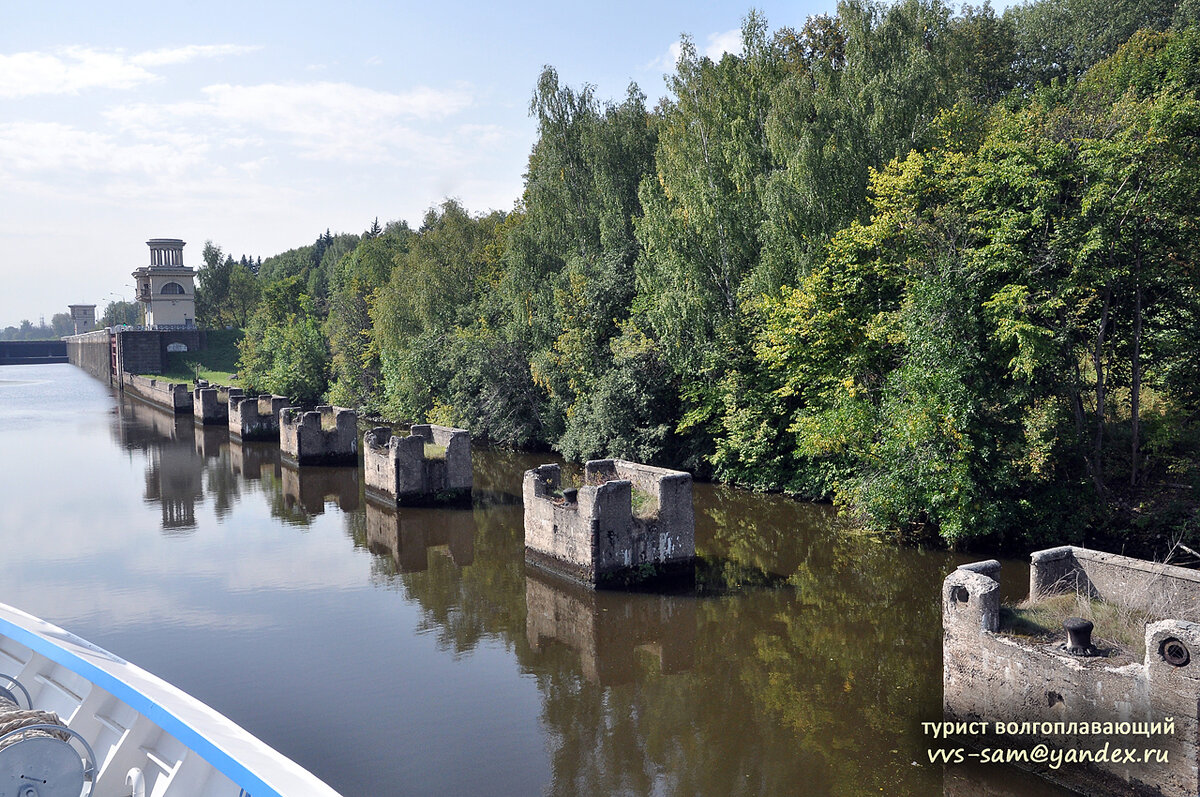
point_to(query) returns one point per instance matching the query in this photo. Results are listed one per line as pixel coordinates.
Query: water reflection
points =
(803, 661)
(409, 535)
(609, 630)
(210, 440)
(251, 461)
(175, 479)
(308, 488)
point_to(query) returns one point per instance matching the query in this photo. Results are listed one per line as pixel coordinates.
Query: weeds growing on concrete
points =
(1117, 628)
(644, 504)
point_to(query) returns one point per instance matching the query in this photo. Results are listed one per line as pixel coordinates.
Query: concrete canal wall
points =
(93, 352)
(433, 463)
(173, 396)
(110, 354)
(1079, 704)
(595, 535)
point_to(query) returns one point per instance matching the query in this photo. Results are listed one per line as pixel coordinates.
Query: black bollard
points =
(1079, 636)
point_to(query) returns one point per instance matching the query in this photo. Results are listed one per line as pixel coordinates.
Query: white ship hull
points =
(148, 738)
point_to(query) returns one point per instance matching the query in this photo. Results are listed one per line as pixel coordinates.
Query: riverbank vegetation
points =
(937, 265)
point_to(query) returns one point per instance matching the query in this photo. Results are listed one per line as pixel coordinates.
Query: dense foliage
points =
(938, 265)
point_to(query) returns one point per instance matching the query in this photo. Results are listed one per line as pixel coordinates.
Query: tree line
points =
(935, 264)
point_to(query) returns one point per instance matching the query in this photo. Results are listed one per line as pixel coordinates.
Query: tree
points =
(212, 286)
(120, 313)
(62, 324)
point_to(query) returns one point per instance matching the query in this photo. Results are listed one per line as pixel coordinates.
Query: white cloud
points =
(720, 43)
(324, 120)
(716, 45)
(70, 71)
(180, 55)
(73, 69)
(56, 147)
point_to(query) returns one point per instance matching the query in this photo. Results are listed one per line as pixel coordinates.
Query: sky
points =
(258, 126)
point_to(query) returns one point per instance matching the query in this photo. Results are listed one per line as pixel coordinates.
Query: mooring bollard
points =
(1079, 636)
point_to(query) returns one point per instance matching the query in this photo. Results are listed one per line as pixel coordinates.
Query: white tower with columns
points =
(167, 287)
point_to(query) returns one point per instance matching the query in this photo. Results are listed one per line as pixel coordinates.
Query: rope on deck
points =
(13, 717)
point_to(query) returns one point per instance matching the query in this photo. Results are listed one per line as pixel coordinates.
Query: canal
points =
(412, 652)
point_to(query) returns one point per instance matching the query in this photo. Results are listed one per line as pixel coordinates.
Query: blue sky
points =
(259, 125)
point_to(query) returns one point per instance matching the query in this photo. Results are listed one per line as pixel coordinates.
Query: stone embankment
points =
(173, 396)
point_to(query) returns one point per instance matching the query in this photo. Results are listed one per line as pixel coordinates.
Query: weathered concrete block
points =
(408, 535)
(324, 436)
(404, 469)
(595, 535)
(255, 417)
(990, 677)
(210, 403)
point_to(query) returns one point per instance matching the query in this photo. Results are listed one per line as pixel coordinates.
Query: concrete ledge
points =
(1148, 586)
(990, 677)
(173, 396)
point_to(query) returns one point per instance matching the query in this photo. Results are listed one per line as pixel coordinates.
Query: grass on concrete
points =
(644, 504)
(217, 362)
(1116, 627)
(433, 451)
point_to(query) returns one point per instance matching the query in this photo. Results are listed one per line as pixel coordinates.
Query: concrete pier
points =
(255, 417)
(210, 403)
(597, 536)
(324, 436)
(431, 465)
(1044, 692)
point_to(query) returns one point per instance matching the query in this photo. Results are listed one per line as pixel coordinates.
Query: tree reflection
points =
(807, 669)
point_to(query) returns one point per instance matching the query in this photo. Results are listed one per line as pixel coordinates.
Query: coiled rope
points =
(13, 717)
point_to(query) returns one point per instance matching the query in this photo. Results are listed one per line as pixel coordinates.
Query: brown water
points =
(413, 652)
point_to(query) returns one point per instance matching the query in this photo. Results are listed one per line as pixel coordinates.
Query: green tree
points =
(357, 279)
(121, 313)
(212, 286)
